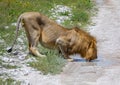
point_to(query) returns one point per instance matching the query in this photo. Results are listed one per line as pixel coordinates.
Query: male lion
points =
(78, 41)
(40, 28)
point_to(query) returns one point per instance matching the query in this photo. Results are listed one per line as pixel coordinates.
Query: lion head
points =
(80, 42)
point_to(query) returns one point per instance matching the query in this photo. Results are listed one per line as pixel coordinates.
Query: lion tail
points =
(17, 29)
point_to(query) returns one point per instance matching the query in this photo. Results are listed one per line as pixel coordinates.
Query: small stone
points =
(15, 53)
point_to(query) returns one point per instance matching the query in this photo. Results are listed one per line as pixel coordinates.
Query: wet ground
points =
(106, 69)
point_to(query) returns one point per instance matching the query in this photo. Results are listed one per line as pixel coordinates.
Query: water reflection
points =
(101, 61)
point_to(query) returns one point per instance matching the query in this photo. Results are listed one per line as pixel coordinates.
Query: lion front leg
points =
(64, 53)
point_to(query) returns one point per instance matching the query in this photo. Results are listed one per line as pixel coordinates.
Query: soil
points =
(106, 69)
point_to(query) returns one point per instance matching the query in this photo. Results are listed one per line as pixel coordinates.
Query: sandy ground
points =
(106, 69)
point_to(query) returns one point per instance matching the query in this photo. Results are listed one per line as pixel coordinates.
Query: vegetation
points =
(11, 9)
(7, 65)
(9, 81)
(51, 64)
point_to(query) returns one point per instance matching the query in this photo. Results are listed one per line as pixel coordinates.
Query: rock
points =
(61, 13)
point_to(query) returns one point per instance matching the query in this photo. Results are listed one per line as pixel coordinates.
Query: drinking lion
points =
(40, 28)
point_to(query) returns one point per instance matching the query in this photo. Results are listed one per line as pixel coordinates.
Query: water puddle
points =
(101, 61)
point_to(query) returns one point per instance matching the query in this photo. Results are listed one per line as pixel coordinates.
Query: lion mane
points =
(80, 42)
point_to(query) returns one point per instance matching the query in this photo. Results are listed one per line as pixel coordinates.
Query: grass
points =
(51, 64)
(9, 81)
(7, 65)
(11, 9)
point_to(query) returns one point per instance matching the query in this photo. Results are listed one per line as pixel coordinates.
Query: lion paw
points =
(42, 56)
(70, 60)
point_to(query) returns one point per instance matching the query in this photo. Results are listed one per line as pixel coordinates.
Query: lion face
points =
(91, 53)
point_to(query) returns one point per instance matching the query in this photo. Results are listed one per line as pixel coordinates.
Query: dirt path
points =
(105, 70)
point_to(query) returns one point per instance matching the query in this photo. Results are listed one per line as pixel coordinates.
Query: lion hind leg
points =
(33, 45)
(35, 52)
(33, 36)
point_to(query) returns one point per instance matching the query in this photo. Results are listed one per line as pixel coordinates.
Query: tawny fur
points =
(80, 42)
(40, 28)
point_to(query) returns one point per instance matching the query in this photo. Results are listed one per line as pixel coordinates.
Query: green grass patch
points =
(7, 65)
(82, 12)
(9, 81)
(52, 63)
(11, 9)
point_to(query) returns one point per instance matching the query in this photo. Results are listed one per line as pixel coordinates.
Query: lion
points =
(39, 28)
(80, 42)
